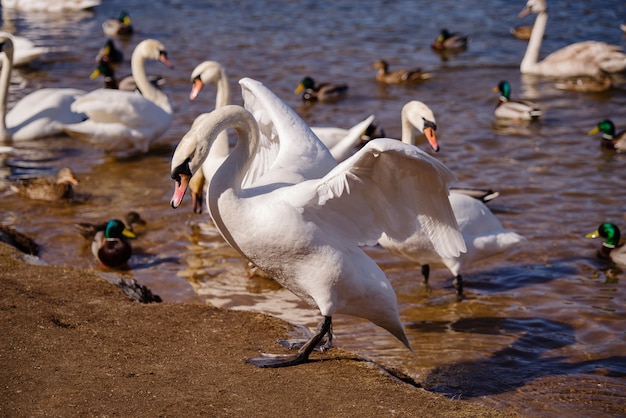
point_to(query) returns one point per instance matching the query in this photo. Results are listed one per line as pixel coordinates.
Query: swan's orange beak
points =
(165, 61)
(195, 89)
(179, 190)
(432, 138)
(525, 12)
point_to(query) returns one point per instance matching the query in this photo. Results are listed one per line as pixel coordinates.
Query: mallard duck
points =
(89, 230)
(110, 54)
(323, 92)
(597, 84)
(522, 32)
(447, 41)
(110, 247)
(612, 248)
(119, 26)
(48, 188)
(610, 139)
(126, 83)
(398, 76)
(589, 58)
(514, 109)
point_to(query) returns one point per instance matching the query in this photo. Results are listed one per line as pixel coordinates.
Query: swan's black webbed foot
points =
(286, 360)
(297, 343)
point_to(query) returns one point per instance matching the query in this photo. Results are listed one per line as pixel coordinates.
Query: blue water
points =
(541, 331)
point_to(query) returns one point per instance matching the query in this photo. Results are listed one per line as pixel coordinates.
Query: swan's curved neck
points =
(138, 69)
(5, 79)
(407, 129)
(220, 148)
(531, 57)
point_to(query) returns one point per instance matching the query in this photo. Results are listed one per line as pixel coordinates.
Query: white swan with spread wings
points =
(282, 201)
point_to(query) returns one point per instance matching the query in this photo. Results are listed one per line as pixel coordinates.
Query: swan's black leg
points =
(285, 360)
(323, 345)
(425, 272)
(458, 285)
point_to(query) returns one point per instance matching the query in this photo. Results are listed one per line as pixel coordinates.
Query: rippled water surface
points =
(541, 331)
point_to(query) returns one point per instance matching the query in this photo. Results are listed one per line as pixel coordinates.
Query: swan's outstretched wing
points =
(299, 156)
(393, 188)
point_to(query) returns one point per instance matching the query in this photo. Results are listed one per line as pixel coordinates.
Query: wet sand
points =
(75, 345)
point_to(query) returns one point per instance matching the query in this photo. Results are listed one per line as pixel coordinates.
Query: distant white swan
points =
(589, 58)
(41, 113)
(342, 143)
(302, 216)
(124, 123)
(49, 5)
(204, 73)
(26, 51)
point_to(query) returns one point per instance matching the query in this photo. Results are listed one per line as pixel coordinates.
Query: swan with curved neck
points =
(41, 113)
(122, 122)
(301, 217)
(589, 58)
(483, 233)
(205, 73)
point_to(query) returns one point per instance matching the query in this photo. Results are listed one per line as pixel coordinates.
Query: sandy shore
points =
(75, 345)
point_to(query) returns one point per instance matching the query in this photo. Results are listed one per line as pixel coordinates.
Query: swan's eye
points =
(429, 124)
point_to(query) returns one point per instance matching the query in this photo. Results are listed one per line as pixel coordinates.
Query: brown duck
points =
(48, 188)
(398, 76)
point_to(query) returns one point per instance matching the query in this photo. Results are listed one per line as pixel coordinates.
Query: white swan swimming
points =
(342, 143)
(589, 58)
(302, 217)
(39, 114)
(53, 6)
(124, 123)
(205, 73)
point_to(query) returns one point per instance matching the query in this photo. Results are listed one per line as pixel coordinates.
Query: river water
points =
(541, 331)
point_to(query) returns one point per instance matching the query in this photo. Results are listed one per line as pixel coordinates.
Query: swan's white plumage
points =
(41, 113)
(49, 5)
(26, 51)
(589, 58)
(301, 216)
(483, 233)
(341, 142)
(121, 122)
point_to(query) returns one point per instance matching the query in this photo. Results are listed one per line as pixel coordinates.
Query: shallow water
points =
(541, 331)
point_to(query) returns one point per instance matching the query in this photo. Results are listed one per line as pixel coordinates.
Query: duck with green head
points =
(508, 108)
(448, 41)
(119, 26)
(110, 247)
(612, 249)
(610, 139)
(323, 92)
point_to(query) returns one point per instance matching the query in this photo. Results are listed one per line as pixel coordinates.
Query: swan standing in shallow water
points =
(124, 123)
(40, 114)
(589, 58)
(482, 231)
(300, 217)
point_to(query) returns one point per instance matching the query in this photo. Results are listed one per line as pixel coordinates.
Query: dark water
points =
(542, 329)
